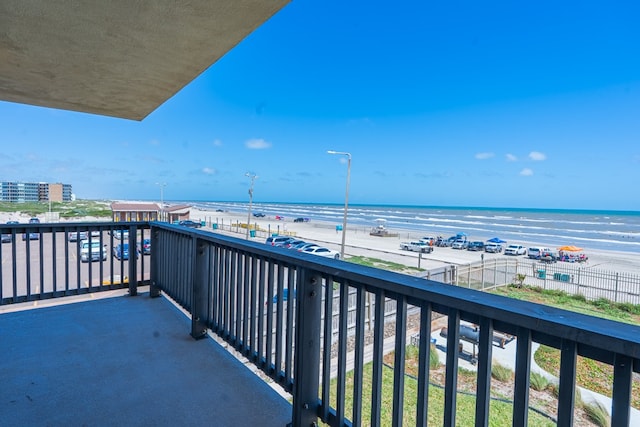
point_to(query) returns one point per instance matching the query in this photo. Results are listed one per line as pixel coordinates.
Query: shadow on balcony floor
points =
(124, 361)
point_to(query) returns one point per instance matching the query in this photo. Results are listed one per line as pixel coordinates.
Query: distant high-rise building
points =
(13, 191)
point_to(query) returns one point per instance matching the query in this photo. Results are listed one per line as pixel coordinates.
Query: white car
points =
(493, 248)
(459, 244)
(120, 234)
(515, 250)
(320, 251)
(93, 252)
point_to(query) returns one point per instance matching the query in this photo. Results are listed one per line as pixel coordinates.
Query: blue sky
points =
(463, 103)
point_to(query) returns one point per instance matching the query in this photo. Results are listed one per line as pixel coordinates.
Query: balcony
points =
(320, 331)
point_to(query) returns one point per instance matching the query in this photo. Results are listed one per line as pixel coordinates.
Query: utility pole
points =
(253, 177)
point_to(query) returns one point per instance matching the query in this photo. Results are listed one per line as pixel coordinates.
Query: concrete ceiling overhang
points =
(120, 58)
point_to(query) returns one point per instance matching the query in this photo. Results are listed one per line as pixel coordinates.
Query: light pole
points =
(162, 185)
(253, 177)
(346, 198)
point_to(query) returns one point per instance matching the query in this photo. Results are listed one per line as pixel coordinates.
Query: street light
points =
(162, 185)
(253, 177)
(346, 198)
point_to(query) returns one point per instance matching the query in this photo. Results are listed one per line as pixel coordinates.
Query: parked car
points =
(259, 214)
(92, 251)
(32, 235)
(515, 250)
(291, 243)
(120, 234)
(74, 236)
(278, 240)
(449, 241)
(285, 296)
(431, 241)
(7, 237)
(302, 247)
(476, 246)
(320, 251)
(146, 247)
(121, 251)
(493, 247)
(536, 252)
(416, 246)
(95, 233)
(189, 223)
(459, 244)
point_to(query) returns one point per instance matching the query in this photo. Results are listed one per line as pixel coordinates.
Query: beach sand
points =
(359, 242)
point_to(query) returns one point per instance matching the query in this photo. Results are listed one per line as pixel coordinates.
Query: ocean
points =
(589, 229)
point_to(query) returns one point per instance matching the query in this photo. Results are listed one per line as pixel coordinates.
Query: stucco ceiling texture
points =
(120, 58)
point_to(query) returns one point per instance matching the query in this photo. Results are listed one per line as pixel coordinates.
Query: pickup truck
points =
(416, 247)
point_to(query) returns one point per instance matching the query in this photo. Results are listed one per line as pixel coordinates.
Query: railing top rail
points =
(73, 226)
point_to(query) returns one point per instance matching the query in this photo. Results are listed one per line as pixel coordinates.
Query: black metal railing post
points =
(133, 261)
(156, 250)
(199, 294)
(307, 344)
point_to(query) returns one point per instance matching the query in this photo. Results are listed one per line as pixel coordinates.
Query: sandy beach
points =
(359, 242)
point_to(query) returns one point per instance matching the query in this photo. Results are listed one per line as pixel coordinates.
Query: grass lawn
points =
(591, 374)
(77, 208)
(500, 412)
(382, 264)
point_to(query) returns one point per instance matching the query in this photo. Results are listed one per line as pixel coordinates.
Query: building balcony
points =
(145, 340)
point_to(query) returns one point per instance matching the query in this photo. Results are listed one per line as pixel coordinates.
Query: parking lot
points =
(54, 265)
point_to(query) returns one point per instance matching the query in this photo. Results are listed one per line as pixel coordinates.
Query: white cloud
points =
(217, 143)
(257, 144)
(208, 171)
(526, 172)
(537, 156)
(484, 156)
(511, 158)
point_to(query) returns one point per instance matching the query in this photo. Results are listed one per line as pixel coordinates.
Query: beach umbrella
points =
(496, 240)
(461, 234)
(569, 248)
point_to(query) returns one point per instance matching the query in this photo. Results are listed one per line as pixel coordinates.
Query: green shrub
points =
(554, 388)
(411, 352)
(537, 381)
(602, 303)
(501, 373)
(434, 358)
(580, 297)
(629, 308)
(597, 413)
(579, 403)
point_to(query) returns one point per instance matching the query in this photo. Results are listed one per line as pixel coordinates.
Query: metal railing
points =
(40, 261)
(572, 278)
(277, 308)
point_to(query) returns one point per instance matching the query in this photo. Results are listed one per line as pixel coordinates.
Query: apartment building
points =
(14, 191)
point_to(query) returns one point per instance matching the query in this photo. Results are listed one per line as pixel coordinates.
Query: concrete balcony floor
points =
(123, 361)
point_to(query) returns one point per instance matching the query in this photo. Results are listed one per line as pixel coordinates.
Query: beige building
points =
(134, 211)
